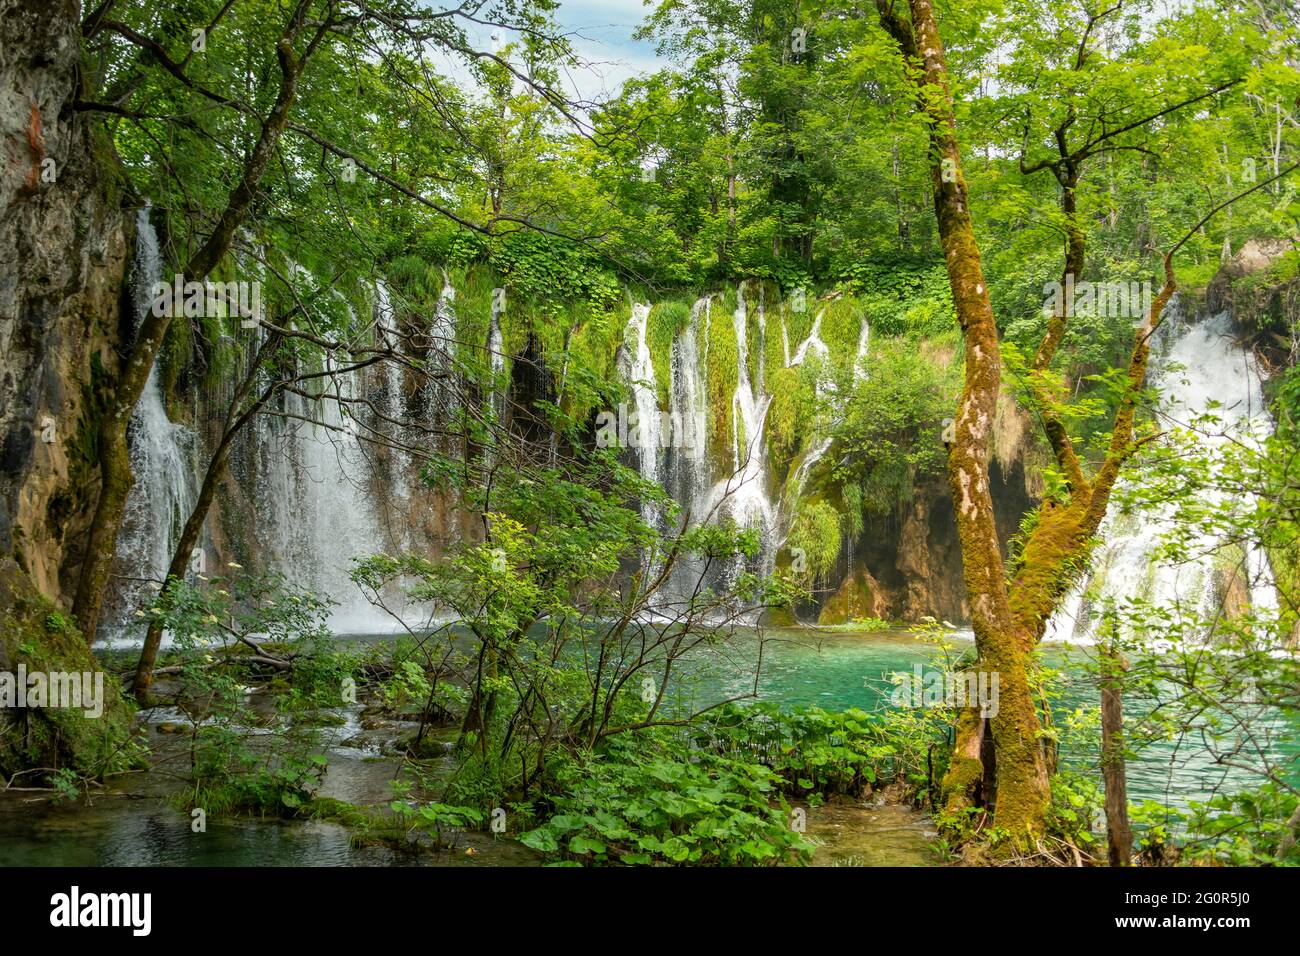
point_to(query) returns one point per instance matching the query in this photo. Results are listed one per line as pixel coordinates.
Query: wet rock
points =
(63, 253)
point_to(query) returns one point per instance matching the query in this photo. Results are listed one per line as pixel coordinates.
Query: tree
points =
(1008, 611)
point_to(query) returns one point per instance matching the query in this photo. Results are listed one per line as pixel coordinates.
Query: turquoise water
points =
(837, 670)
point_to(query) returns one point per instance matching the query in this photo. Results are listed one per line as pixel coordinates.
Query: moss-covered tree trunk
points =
(1020, 770)
(1010, 617)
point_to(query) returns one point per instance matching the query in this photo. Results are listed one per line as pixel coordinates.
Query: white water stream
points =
(1197, 369)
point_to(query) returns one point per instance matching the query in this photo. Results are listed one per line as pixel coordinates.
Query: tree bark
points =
(1119, 835)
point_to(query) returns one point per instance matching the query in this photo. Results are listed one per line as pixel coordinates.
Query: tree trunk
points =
(1021, 773)
(116, 480)
(235, 421)
(176, 571)
(1119, 835)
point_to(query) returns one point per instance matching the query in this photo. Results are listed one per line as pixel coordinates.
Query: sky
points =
(600, 32)
(603, 37)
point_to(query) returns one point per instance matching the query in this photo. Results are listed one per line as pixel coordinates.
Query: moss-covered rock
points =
(37, 636)
(858, 597)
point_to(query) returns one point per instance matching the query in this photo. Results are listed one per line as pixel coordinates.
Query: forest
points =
(691, 433)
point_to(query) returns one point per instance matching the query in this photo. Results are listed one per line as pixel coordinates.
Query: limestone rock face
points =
(907, 566)
(858, 597)
(1255, 256)
(63, 253)
(1261, 307)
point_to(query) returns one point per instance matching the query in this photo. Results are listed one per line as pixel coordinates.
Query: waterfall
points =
(688, 470)
(813, 343)
(162, 461)
(826, 393)
(860, 371)
(687, 461)
(314, 507)
(391, 406)
(640, 375)
(743, 495)
(497, 365)
(442, 338)
(1197, 367)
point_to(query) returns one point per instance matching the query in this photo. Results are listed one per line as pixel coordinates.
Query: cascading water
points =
(688, 464)
(812, 345)
(742, 495)
(860, 369)
(391, 409)
(640, 375)
(393, 403)
(314, 507)
(1197, 371)
(497, 365)
(162, 461)
(442, 391)
(688, 477)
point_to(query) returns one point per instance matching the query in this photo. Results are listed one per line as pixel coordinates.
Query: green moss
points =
(784, 415)
(852, 601)
(722, 368)
(40, 637)
(816, 535)
(841, 325)
(667, 320)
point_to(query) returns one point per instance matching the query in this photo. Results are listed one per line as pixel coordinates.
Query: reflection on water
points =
(134, 828)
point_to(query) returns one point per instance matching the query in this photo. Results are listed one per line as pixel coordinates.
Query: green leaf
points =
(540, 839)
(583, 845)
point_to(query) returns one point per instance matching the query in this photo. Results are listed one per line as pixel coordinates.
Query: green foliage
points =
(1254, 827)
(816, 533)
(544, 269)
(239, 760)
(891, 430)
(649, 803)
(431, 820)
(899, 300)
(817, 753)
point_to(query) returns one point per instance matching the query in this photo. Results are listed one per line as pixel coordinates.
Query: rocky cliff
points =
(63, 251)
